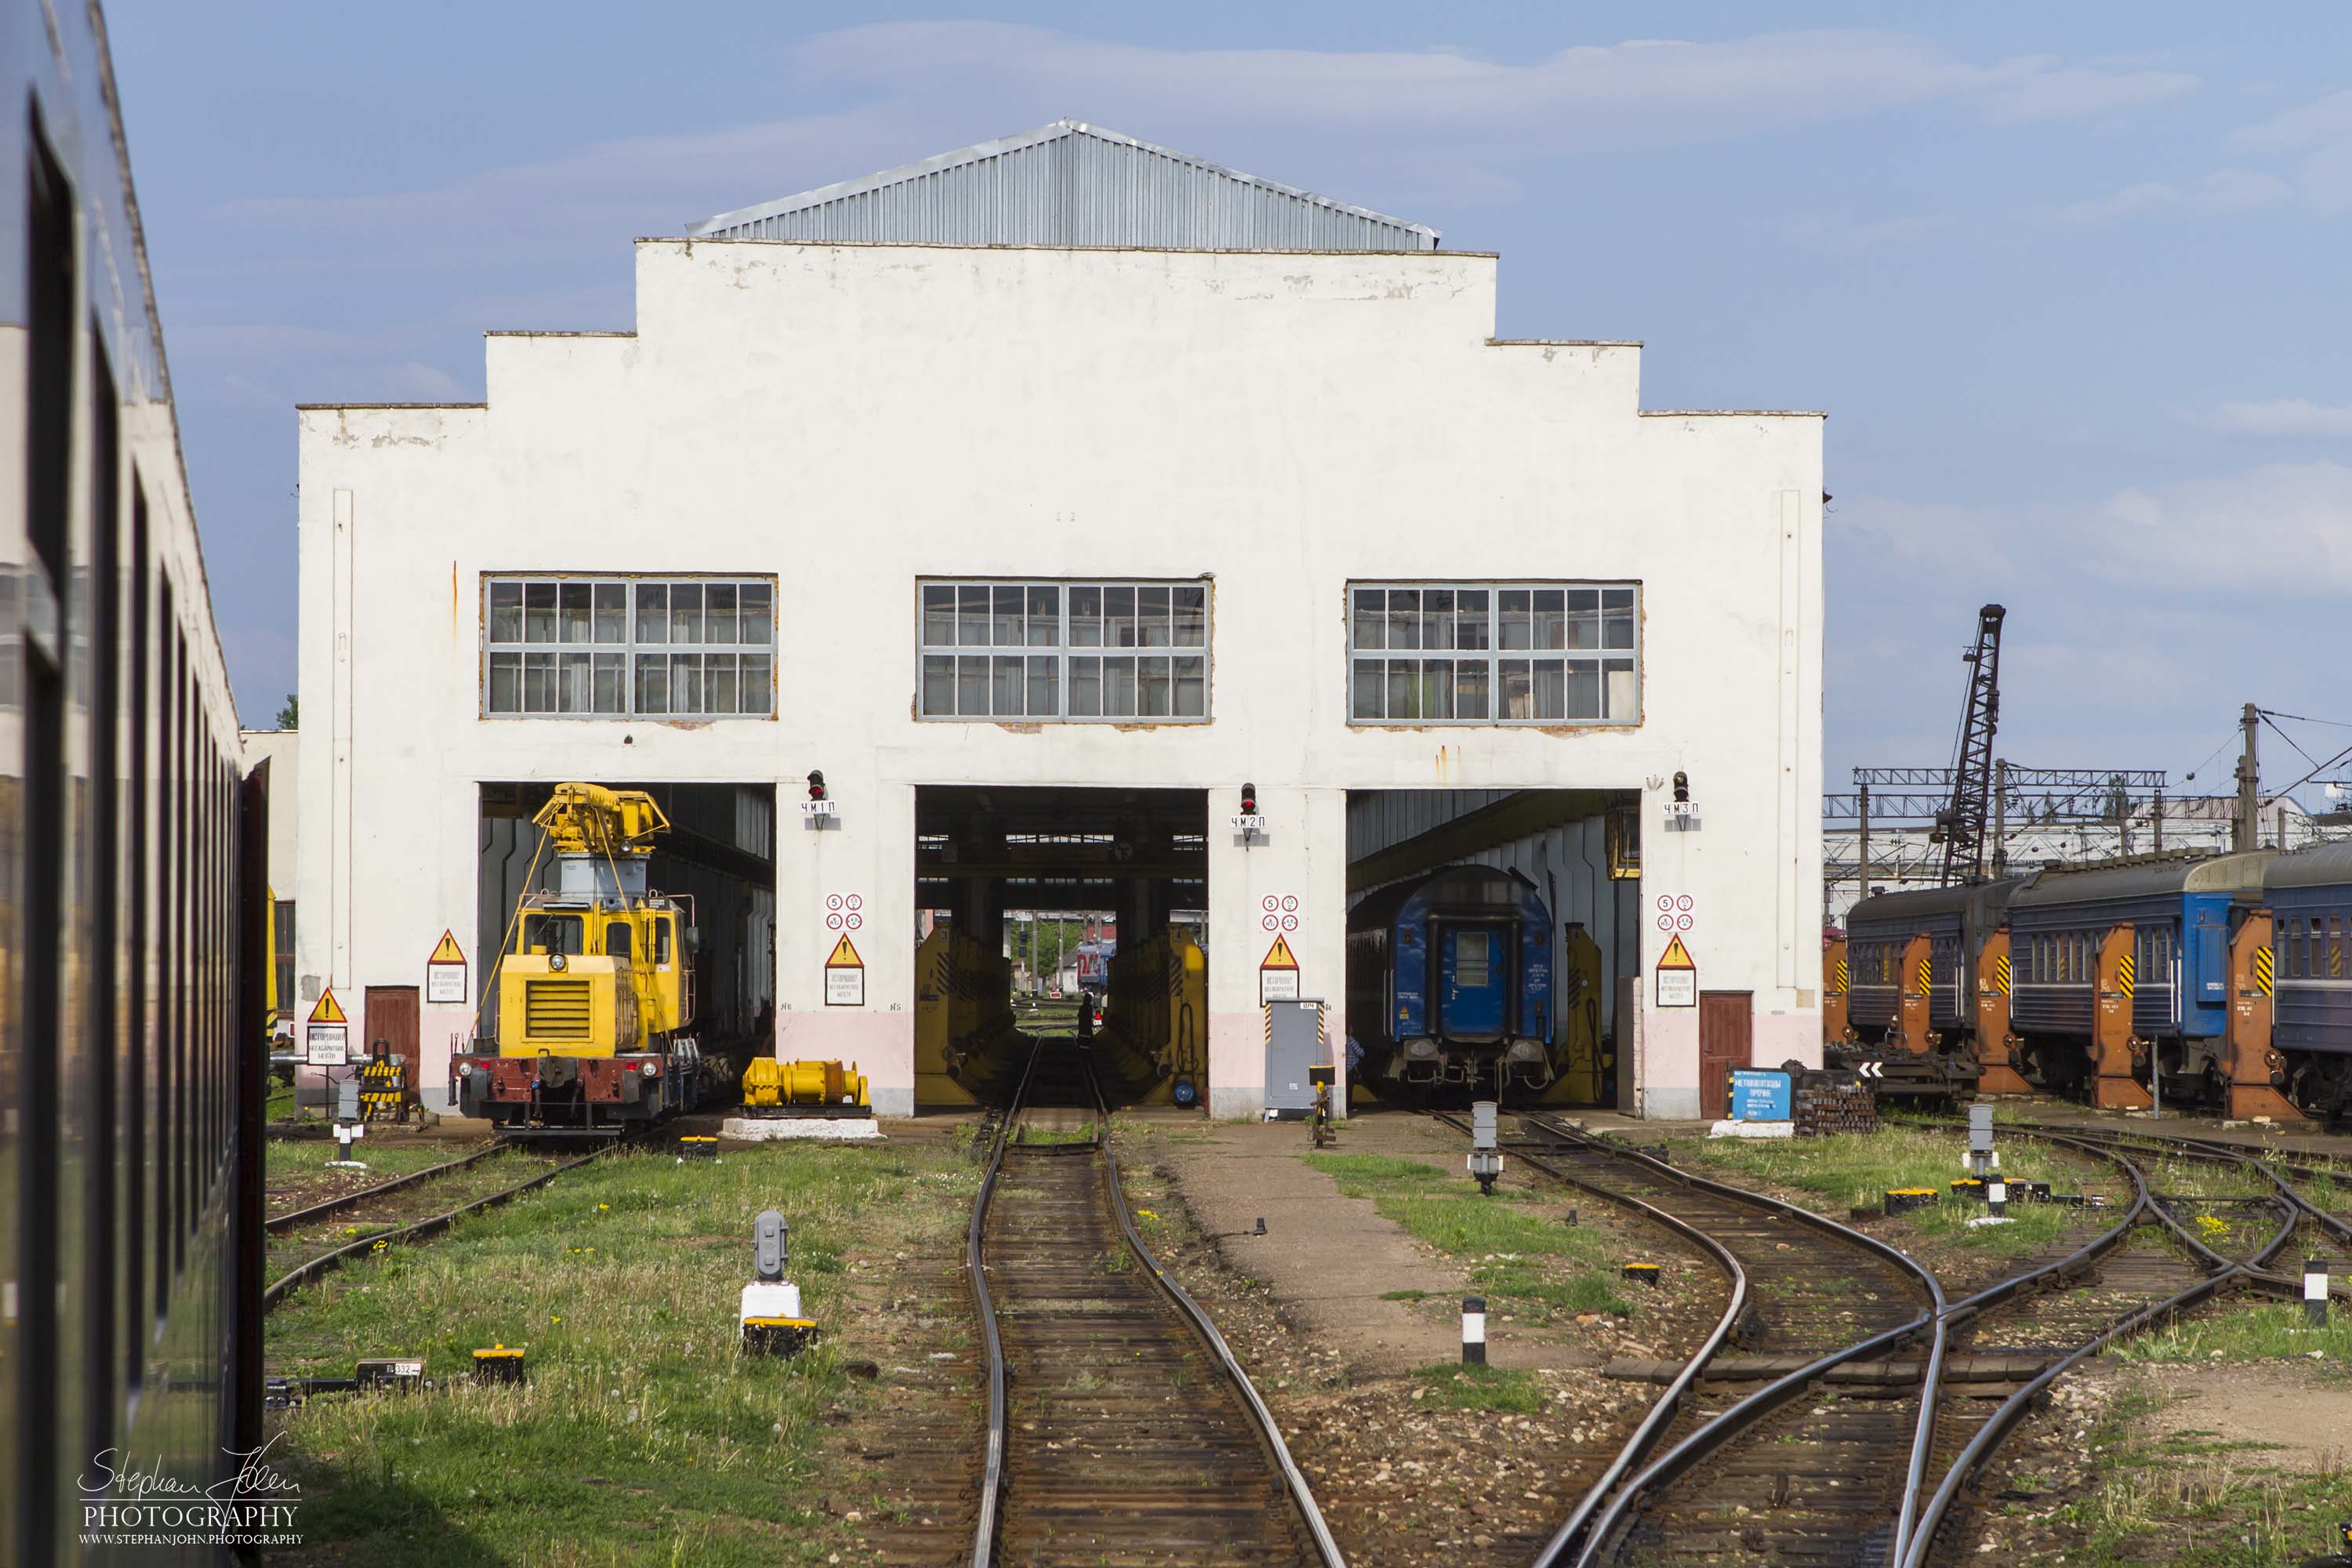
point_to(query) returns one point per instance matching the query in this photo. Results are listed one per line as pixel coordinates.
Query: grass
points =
(1028, 1134)
(643, 1436)
(384, 1157)
(1525, 1264)
(1856, 1169)
(2267, 1331)
(1481, 1388)
(2193, 1502)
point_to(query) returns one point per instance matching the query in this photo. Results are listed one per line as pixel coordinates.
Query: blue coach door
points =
(1474, 971)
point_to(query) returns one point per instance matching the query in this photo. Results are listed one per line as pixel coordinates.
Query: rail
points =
(281, 1224)
(1302, 1496)
(992, 1477)
(1600, 1521)
(417, 1230)
(1996, 1427)
(988, 1529)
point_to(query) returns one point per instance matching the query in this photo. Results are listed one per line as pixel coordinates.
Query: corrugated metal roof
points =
(1069, 183)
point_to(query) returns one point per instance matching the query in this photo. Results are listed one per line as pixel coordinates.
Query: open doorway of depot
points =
(1493, 944)
(1055, 915)
(717, 861)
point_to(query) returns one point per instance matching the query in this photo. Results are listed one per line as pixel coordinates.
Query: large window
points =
(1494, 652)
(1065, 650)
(611, 648)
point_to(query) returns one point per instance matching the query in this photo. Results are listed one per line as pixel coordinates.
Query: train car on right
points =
(2122, 975)
(2307, 964)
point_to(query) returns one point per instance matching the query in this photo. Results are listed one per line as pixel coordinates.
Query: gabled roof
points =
(1070, 184)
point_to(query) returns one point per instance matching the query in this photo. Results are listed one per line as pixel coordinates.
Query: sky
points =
(2070, 282)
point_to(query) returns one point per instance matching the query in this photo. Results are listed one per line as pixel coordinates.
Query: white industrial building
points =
(1243, 474)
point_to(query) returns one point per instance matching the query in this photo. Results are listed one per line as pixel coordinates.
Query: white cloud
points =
(2281, 529)
(2223, 191)
(2285, 416)
(2284, 528)
(2319, 135)
(1372, 126)
(2298, 129)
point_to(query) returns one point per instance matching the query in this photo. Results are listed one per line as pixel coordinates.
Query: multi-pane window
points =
(1494, 652)
(622, 646)
(1065, 650)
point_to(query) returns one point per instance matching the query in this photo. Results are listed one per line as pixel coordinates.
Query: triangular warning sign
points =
(1278, 956)
(1677, 957)
(447, 951)
(845, 956)
(328, 1010)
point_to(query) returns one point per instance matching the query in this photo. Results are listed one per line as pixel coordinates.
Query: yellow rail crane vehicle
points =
(596, 987)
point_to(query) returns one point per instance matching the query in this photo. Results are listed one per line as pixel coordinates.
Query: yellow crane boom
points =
(589, 819)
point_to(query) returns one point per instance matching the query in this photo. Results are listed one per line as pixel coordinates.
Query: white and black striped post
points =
(1473, 1331)
(2314, 1292)
(1997, 1196)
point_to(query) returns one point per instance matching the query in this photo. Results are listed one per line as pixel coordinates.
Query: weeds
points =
(1518, 1255)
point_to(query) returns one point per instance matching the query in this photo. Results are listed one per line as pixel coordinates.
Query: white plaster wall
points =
(850, 417)
(278, 748)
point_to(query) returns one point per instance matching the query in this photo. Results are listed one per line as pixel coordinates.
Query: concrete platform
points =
(801, 1128)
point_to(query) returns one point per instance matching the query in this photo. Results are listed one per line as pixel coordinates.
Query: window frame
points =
(1494, 655)
(629, 649)
(1060, 652)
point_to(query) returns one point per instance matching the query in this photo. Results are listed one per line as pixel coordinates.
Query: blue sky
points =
(2070, 280)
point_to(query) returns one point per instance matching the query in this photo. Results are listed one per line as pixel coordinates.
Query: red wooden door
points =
(391, 1017)
(1726, 1021)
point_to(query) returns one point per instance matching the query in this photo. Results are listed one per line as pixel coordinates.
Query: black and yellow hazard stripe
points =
(1926, 976)
(1842, 977)
(2001, 974)
(2125, 974)
(2264, 974)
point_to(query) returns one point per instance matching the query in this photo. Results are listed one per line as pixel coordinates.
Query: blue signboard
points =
(1759, 1096)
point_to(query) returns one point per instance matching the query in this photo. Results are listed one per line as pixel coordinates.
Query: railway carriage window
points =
(1044, 651)
(1470, 959)
(1514, 654)
(582, 648)
(2336, 947)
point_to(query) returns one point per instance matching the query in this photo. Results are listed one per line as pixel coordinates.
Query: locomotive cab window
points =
(1494, 652)
(553, 934)
(616, 939)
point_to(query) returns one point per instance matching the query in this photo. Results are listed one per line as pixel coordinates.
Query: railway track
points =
(1861, 1451)
(309, 1244)
(1120, 1427)
(1799, 1468)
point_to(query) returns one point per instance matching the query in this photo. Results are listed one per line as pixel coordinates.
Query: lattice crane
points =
(1960, 826)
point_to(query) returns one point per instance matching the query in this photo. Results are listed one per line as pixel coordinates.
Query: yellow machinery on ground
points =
(595, 985)
(1154, 1041)
(769, 1084)
(1582, 1064)
(965, 1038)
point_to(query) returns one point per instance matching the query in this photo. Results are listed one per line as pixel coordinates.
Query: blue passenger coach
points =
(2182, 911)
(1449, 980)
(2310, 896)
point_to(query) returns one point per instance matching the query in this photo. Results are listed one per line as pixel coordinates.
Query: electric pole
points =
(2246, 826)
